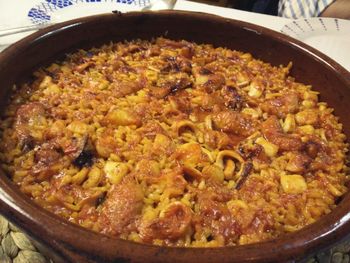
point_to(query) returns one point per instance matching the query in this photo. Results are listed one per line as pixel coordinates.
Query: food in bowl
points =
(174, 143)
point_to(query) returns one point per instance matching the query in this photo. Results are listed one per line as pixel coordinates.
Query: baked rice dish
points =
(174, 143)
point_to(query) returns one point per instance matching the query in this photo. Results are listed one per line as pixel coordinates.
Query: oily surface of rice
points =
(174, 143)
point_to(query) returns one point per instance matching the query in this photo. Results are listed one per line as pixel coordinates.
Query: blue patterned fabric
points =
(125, 1)
(41, 13)
(302, 8)
(38, 15)
(60, 3)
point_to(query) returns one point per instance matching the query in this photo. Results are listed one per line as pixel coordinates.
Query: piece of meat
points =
(134, 48)
(273, 132)
(214, 214)
(46, 158)
(73, 146)
(176, 64)
(217, 139)
(122, 89)
(175, 182)
(298, 163)
(218, 193)
(153, 51)
(172, 224)
(187, 51)
(215, 82)
(29, 118)
(150, 129)
(262, 222)
(233, 122)
(209, 102)
(282, 105)
(122, 206)
(84, 66)
(162, 42)
(312, 148)
(326, 162)
(120, 117)
(105, 144)
(118, 64)
(208, 80)
(182, 101)
(175, 82)
(56, 129)
(205, 71)
(160, 92)
(47, 154)
(233, 100)
(323, 157)
(147, 171)
(190, 154)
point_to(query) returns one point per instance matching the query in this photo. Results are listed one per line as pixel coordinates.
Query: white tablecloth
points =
(272, 22)
(14, 13)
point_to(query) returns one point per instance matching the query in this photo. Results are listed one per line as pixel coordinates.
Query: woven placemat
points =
(16, 247)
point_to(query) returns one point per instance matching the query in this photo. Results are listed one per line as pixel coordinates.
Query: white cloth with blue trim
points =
(302, 8)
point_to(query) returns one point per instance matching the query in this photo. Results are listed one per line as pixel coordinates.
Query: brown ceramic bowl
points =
(71, 243)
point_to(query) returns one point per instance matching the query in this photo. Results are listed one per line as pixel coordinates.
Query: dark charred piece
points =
(247, 169)
(85, 159)
(233, 100)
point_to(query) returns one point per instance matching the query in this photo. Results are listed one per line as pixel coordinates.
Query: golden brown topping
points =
(174, 143)
(273, 132)
(282, 105)
(233, 122)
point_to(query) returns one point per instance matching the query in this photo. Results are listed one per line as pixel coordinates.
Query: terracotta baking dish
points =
(70, 243)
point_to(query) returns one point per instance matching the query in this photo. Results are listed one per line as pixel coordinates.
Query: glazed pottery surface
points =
(70, 243)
